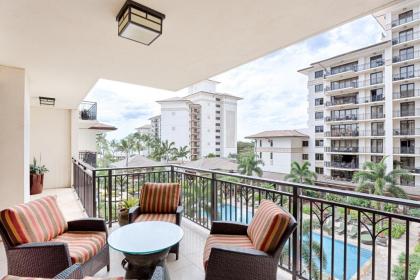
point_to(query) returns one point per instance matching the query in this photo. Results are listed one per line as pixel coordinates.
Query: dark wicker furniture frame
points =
(235, 263)
(48, 259)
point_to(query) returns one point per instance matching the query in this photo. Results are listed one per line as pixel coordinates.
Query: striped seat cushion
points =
(267, 226)
(83, 245)
(170, 218)
(36, 221)
(12, 277)
(159, 197)
(225, 240)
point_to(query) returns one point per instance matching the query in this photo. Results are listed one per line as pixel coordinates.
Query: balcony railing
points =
(404, 76)
(398, 22)
(407, 56)
(322, 214)
(357, 68)
(406, 131)
(406, 94)
(405, 38)
(407, 113)
(87, 110)
(341, 164)
(355, 117)
(407, 150)
(373, 149)
(88, 157)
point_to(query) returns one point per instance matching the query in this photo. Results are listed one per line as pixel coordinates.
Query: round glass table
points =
(145, 245)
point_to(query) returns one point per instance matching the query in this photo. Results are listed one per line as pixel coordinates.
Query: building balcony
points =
(406, 94)
(407, 113)
(352, 70)
(407, 151)
(406, 22)
(406, 76)
(208, 197)
(88, 157)
(88, 111)
(405, 38)
(398, 59)
(406, 132)
(355, 117)
(354, 150)
(341, 165)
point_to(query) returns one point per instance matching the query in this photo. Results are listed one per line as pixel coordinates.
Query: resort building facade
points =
(365, 104)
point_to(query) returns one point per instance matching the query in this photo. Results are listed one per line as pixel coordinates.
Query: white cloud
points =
(275, 95)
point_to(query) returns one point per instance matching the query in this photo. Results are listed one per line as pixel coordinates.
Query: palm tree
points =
(301, 173)
(137, 142)
(101, 144)
(249, 165)
(125, 147)
(168, 149)
(156, 150)
(373, 179)
(182, 152)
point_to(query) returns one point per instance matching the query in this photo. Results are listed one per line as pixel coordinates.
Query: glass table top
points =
(145, 237)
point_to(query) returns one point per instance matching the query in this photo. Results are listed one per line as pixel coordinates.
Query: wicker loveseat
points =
(159, 202)
(40, 243)
(238, 251)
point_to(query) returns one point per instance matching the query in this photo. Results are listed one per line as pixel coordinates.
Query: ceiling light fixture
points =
(46, 101)
(139, 23)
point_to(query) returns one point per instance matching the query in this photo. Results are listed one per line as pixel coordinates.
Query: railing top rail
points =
(400, 201)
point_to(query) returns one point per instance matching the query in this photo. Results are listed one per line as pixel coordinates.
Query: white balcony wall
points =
(51, 141)
(87, 140)
(14, 137)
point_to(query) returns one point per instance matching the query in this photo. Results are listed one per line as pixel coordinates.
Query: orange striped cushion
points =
(267, 226)
(83, 245)
(159, 197)
(225, 240)
(36, 221)
(170, 218)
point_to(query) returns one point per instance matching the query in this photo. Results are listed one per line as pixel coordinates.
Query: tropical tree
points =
(136, 142)
(156, 150)
(101, 144)
(168, 149)
(182, 152)
(113, 145)
(125, 146)
(301, 173)
(374, 179)
(250, 165)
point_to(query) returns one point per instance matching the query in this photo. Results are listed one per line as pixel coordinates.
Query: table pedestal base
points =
(143, 266)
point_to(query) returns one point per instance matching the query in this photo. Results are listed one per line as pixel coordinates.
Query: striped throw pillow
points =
(36, 221)
(267, 226)
(159, 197)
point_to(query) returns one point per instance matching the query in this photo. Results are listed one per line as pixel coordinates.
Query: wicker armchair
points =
(230, 254)
(31, 254)
(148, 210)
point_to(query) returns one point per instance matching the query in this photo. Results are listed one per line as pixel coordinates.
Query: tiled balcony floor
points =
(188, 267)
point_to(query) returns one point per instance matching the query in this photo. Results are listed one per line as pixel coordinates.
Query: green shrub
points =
(306, 209)
(414, 212)
(397, 230)
(359, 202)
(398, 271)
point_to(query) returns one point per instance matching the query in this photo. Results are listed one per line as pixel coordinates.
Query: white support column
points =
(14, 137)
(388, 145)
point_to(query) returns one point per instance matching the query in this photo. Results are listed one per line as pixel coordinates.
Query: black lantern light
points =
(139, 23)
(46, 101)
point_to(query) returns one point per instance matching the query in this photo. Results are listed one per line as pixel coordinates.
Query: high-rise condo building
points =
(365, 104)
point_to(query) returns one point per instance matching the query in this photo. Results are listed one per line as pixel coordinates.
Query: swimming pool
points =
(365, 255)
(226, 212)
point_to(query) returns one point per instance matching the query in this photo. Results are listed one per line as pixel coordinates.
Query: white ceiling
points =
(67, 45)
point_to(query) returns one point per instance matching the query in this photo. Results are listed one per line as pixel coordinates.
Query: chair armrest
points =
(38, 259)
(133, 213)
(243, 263)
(73, 272)
(231, 228)
(88, 224)
(180, 209)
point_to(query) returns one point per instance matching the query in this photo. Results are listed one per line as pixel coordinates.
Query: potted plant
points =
(124, 208)
(37, 177)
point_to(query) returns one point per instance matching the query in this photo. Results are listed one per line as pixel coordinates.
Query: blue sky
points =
(275, 95)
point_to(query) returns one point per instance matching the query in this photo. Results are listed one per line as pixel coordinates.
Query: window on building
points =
(319, 74)
(377, 129)
(376, 78)
(217, 149)
(407, 109)
(305, 143)
(319, 87)
(218, 105)
(346, 114)
(406, 90)
(376, 61)
(319, 143)
(405, 17)
(217, 124)
(319, 128)
(405, 35)
(346, 83)
(217, 99)
(217, 130)
(407, 127)
(271, 155)
(260, 155)
(319, 170)
(218, 118)
(217, 137)
(260, 143)
(407, 53)
(305, 157)
(352, 66)
(319, 101)
(271, 142)
(377, 94)
(319, 156)
(376, 145)
(319, 115)
(407, 72)
(376, 158)
(377, 112)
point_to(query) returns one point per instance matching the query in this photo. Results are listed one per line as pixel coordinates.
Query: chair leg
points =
(108, 268)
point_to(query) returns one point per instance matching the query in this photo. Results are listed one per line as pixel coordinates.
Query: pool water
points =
(227, 213)
(365, 255)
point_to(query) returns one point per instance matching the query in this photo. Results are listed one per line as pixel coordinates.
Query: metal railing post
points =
(172, 174)
(213, 197)
(295, 247)
(94, 193)
(110, 198)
